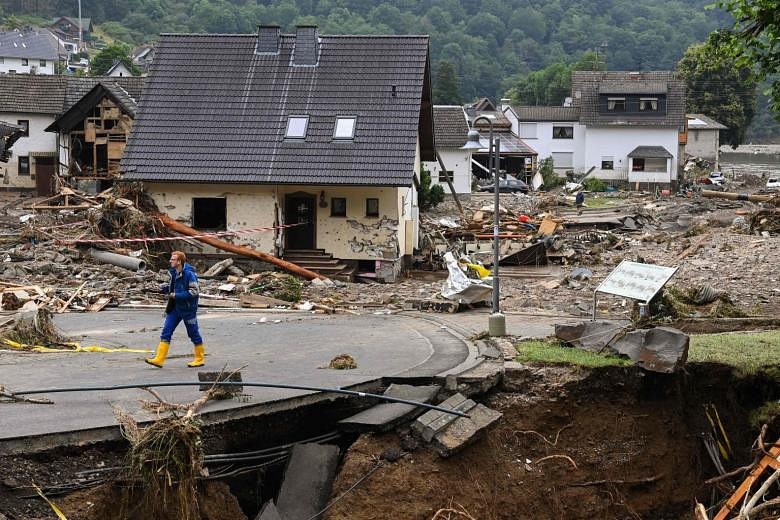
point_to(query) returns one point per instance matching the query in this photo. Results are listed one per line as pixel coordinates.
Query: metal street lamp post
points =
(497, 321)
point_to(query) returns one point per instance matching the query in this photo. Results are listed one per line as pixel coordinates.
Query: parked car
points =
(508, 185)
(773, 182)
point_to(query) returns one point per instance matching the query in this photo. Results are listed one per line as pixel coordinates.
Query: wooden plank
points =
(99, 304)
(254, 300)
(736, 497)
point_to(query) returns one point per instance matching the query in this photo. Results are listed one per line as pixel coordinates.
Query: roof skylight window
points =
(296, 127)
(345, 128)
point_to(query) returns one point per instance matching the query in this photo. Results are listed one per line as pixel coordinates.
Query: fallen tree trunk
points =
(739, 196)
(239, 250)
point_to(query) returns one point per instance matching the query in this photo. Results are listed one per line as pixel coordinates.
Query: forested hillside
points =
(486, 40)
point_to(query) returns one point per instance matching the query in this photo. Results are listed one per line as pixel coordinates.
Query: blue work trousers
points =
(172, 320)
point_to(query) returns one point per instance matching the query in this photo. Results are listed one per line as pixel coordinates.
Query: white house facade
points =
(703, 139)
(551, 131)
(33, 51)
(34, 150)
(623, 127)
(451, 129)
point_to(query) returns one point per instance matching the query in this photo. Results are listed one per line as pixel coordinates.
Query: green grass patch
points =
(748, 353)
(603, 202)
(553, 352)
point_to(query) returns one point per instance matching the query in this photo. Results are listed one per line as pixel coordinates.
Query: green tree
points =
(719, 86)
(755, 39)
(551, 85)
(428, 196)
(12, 22)
(104, 59)
(445, 88)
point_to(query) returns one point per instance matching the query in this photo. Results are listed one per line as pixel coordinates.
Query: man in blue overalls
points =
(182, 291)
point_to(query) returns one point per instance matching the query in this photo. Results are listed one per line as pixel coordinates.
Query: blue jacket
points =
(185, 287)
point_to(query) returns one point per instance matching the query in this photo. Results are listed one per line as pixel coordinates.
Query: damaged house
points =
(325, 134)
(93, 131)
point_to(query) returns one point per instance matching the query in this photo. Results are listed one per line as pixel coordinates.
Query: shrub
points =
(594, 184)
(549, 177)
(428, 196)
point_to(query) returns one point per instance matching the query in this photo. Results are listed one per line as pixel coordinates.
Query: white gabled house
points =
(623, 127)
(30, 51)
(451, 128)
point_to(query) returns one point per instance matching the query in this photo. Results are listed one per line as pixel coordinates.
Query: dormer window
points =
(647, 104)
(616, 104)
(296, 127)
(345, 128)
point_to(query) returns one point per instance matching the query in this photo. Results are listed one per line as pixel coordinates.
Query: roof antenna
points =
(393, 93)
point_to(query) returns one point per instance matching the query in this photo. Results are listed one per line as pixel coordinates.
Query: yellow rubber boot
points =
(159, 357)
(200, 352)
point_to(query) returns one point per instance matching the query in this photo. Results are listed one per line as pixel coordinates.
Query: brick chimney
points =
(306, 51)
(268, 39)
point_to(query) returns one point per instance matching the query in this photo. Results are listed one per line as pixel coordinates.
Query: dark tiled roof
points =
(44, 94)
(34, 94)
(500, 121)
(547, 113)
(709, 123)
(650, 152)
(39, 44)
(450, 125)
(214, 110)
(74, 21)
(585, 87)
(79, 87)
(632, 87)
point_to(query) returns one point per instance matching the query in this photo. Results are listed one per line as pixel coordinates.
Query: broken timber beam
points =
(449, 182)
(239, 250)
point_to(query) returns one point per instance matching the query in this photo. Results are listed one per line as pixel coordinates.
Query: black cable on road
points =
(245, 383)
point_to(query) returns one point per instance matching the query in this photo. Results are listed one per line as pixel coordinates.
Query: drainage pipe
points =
(244, 383)
(128, 262)
(739, 196)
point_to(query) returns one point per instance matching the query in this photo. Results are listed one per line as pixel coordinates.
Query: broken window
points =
(648, 104)
(24, 123)
(607, 163)
(372, 207)
(616, 104)
(209, 213)
(444, 175)
(24, 165)
(563, 132)
(345, 128)
(338, 207)
(296, 127)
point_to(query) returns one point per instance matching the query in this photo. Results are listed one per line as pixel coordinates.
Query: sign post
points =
(634, 280)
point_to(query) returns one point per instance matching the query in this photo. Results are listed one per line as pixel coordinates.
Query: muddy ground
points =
(635, 441)
(613, 443)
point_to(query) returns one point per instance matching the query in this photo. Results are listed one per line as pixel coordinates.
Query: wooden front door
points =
(44, 176)
(300, 208)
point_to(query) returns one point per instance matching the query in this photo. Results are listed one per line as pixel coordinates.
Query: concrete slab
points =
(464, 430)
(308, 481)
(268, 512)
(476, 380)
(386, 416)
(433, 421)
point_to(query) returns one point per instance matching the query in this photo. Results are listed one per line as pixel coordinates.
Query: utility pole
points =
(81, 41)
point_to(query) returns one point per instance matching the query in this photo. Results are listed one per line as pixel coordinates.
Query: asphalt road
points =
(289, 348)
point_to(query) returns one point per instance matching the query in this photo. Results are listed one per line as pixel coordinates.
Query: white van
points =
(773, 182)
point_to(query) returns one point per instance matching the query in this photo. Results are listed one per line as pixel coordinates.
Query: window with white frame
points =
(43, 63)
(648, 104)
(563, 132)
(607, 162)
(527, 130)
(616, 104)
(296, 127)
(25, 62)
(444, 175)
(345, 128)
(563, 159)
